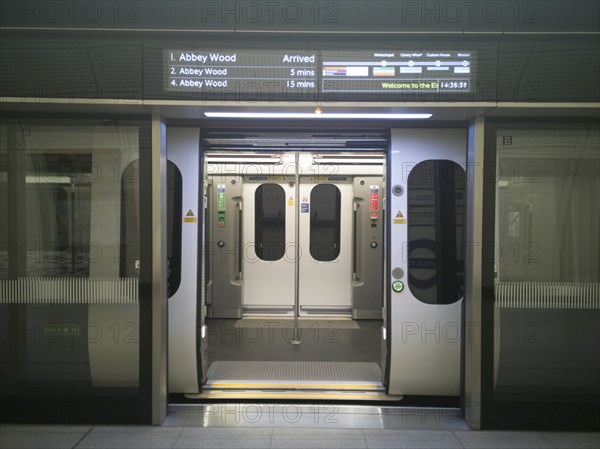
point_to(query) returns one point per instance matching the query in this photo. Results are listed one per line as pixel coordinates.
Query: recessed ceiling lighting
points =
(312, 115)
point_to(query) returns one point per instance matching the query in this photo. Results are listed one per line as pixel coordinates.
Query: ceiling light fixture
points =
(315, 115)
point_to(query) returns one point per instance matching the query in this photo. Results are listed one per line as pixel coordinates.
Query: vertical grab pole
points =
(240, 242)
(354, 238)
(296, 340)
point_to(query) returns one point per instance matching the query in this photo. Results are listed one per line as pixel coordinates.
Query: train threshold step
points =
(294, 394)
(294, 380)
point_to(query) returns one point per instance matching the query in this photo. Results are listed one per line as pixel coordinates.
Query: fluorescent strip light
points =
(372, 161)
(238, 160)
(312, 115)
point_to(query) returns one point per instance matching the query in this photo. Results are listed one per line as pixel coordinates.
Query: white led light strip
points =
(311, 115)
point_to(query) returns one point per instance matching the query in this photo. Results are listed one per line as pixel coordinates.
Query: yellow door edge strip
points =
(298, 395)
(296, 386)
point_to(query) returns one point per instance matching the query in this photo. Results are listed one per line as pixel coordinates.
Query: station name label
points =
(207, 57)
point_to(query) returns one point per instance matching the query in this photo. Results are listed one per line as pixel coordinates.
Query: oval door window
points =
(269, 222)
(174, 223)
(325, 214)
(436, 215)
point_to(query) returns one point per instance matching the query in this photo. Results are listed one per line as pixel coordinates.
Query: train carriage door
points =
(427, 255)
(250, 243)
(325, 240)
(268, 245)
(341, 234)
(187, 362)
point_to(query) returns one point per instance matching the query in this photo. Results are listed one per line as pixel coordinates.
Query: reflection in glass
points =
(269, 225)
(174, 213)
(547, 265)
(325, 215)
(65, 262)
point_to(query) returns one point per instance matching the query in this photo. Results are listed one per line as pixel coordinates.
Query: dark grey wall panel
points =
(549, 70)
(307, 15)
(118, 68)
(70, 68)
(42, 68)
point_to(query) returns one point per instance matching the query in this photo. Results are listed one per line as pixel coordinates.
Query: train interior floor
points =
(330, 350)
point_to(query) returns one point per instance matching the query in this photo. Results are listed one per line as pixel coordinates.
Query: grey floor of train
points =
(268, 339)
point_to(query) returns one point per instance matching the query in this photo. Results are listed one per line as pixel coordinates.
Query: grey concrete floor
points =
(42, 437)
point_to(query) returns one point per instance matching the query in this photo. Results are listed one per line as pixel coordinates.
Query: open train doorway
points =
(294, 266)
(294, 282)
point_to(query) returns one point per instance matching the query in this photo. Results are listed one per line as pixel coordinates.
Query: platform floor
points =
(226, 426)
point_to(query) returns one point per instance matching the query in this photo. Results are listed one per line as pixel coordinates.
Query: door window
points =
(325, 212)
(436, 210)
(269, 226)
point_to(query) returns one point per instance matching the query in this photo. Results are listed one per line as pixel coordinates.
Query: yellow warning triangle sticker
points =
(399, 219)
(189, 213)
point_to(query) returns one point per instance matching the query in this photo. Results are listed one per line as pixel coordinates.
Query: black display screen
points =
(293, 74)
(400, 71)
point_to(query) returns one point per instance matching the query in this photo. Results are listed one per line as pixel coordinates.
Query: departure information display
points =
(294, 72)
(404, 71)
(241, 71)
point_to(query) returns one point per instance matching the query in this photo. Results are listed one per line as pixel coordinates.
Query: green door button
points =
(397, 286)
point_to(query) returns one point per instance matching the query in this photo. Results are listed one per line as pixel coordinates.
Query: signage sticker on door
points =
(190, 217)
(221, 198)
(399, 218)
(374, 203)
(374, 198)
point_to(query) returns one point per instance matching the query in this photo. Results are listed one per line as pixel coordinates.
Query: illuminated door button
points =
(397, 286)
